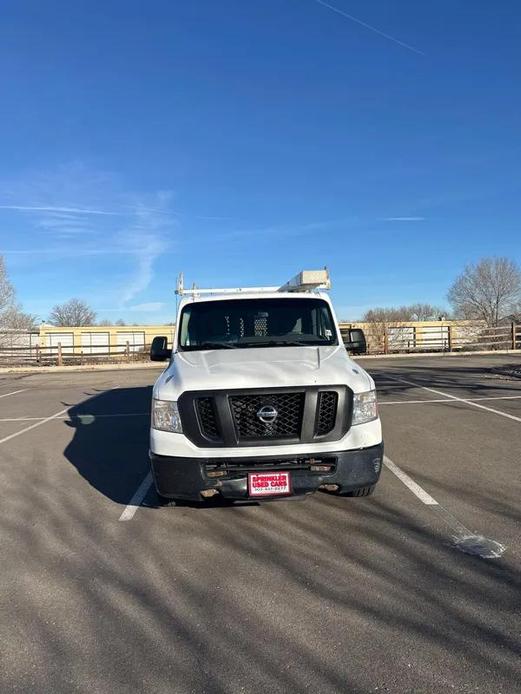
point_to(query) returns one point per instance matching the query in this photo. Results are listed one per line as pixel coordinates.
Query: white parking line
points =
(5, 395)
(410, 483)
(33, 426)
(136, 500)
(456, 398)
(421, 402)
(77, 416)
(463, 539)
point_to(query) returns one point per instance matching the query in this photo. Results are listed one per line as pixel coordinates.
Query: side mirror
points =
(355, 341)
(159, 350)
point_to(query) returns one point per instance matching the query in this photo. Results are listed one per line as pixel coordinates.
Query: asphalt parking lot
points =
(415, 589)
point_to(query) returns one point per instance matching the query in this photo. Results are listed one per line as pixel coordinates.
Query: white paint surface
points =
(14, 392)
(137, 499)
(463, 539)
(78, 416)
(456, 398)
(410, 483)
(423, 402)
(33, 426)
(94, 343)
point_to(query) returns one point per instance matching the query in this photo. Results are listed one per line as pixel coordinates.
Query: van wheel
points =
(362, 491)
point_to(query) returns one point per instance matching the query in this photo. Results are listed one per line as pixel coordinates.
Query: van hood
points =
(260, 367)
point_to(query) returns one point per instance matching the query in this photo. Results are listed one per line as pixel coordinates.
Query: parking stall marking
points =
(137, 499)
(421, 402)
(410, 483)
(78, 416)
(33, 426)
(14, 392)
(463, 538)
(38, 421)
(455, 398)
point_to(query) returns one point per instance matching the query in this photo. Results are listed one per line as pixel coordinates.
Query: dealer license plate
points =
(268, 483)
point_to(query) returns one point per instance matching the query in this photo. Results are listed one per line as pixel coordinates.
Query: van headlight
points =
(365, 408)
(165, 416)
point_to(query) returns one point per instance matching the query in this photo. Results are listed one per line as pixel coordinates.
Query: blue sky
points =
(243, 141)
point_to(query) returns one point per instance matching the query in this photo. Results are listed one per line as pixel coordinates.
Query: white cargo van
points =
(260, 399)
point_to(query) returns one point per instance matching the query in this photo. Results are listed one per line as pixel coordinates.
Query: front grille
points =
(229, 418)
(327, 407)
(207, 419)
(287, 425)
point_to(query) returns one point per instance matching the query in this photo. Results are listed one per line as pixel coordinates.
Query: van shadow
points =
(109, 448)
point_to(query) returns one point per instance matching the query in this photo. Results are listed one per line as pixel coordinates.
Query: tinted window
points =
(256, 323)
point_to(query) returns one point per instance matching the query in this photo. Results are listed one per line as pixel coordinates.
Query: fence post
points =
(127, 350)
(513, 327)
(60, 359)
(449, 337)
(37, 346)
(386, 342)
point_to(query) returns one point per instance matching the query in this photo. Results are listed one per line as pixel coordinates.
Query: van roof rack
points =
(304, 281)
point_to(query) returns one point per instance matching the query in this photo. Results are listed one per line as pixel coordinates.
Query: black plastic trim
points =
(185, 478)
(192, 430)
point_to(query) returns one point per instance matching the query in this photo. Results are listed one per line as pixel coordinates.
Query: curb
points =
(154, 365)
(441, 355)
(78, 367)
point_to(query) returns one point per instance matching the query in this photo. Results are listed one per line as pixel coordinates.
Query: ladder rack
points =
(305, 281)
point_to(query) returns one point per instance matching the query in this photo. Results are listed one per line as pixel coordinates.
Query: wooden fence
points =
(465, 337)
(395, 338)
(59, 355)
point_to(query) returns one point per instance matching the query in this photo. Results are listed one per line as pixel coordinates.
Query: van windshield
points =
(237, 323)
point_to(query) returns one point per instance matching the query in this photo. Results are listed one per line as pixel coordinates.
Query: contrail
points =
(403, 219)
(46, 208)
(368, 26)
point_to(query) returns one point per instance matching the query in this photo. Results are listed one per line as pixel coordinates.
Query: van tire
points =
(361, 491)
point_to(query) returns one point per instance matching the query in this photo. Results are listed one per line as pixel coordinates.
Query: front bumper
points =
(186, 478)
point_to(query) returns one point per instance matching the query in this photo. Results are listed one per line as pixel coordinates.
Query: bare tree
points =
(487, 291)
(379, 318)
(426, 312)
(13, 322)
(13, 318)
(74, 312)
(414, 312)
(380, 314)
(105, 322)
(6, 288)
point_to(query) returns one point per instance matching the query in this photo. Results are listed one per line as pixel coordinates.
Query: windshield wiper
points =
(211, 345)
(275, 343)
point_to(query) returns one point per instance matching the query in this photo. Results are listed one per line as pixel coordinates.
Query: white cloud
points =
(147, 237)
(77, 212)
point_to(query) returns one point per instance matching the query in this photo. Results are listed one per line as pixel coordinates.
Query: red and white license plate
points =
(268, 483)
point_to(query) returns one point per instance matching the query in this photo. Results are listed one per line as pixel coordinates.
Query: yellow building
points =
(408, 336)
(103, 339)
